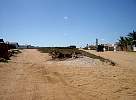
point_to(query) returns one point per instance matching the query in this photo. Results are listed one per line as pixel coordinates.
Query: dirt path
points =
(30, 76)
(26, 77)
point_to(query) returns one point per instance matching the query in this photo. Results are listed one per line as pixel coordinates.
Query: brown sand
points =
(30, 76)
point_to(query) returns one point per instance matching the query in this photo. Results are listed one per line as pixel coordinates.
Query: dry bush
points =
(64, 53)
(6, 52)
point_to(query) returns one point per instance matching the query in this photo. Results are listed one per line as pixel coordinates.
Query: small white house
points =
(134, 48)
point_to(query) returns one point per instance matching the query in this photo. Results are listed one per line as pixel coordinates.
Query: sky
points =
(66, 22)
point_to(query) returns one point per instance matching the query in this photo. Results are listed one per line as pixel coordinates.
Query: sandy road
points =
(27, 77)
(30, 76)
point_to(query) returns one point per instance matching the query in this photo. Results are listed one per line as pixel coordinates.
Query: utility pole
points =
(96, 44)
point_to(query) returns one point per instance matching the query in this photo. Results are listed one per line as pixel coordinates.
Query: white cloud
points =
(66, 17)
(103, 39)
(65, 34)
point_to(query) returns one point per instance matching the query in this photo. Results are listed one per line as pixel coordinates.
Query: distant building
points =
(22, 46)
(72, 46)
(13, 45)
(134, 47)
(27, 47)
(109, 47)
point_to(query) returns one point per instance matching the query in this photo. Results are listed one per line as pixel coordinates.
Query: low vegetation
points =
(64, 53)
(61, 53)
(6, 52)
(13, 52)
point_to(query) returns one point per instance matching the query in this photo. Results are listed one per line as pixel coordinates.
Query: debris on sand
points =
(59, 54)
(83, 60)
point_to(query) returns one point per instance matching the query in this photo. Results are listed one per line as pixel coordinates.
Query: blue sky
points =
(66, 22)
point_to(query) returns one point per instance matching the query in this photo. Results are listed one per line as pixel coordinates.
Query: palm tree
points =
(124, 42)
(128, 43)
(132, 37)
(121, 43)
(130, 40)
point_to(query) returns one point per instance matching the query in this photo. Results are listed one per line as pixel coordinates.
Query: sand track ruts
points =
(29, 76)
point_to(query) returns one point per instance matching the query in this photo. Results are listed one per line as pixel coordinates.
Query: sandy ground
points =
(31, 76)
